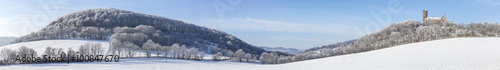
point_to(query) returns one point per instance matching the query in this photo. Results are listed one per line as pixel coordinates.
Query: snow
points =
(446, 54)
(40, 46)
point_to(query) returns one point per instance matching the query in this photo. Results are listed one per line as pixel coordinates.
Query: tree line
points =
(9, 55)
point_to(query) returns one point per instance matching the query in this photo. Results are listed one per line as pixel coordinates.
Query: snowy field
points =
(40, 46)
(446, 54)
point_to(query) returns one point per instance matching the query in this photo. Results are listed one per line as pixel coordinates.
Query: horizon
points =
(276, 23)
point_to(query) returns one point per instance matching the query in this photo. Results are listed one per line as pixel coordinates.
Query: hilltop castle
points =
(433, 20)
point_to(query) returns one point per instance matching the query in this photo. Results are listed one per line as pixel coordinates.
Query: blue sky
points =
(298, 24)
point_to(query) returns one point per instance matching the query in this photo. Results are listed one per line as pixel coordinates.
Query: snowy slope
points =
(446, 54)
(40, 46)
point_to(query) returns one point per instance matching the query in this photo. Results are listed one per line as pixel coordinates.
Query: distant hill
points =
(331, 46)
(128, 26)
(405, 32)
(6, 40)
(281, 49)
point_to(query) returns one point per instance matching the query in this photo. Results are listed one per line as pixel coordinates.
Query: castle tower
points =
(443, 20)
(425, 14)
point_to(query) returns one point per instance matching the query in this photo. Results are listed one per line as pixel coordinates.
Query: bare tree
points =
(202, 54)
(25, 51)
(166, 50)
(147, 47)
(239, 55)
(70, 52)
(158, 49)
(8, 56)
(217, 56)
(49, 51)
(175, 49)
(131, 48)
(248, 56)
(284, 59)
(116, 45)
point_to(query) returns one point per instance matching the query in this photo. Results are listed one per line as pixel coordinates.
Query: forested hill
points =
(128, 26)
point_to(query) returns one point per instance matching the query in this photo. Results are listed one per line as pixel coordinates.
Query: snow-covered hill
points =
(137, 28)
(446, 54)
(40, 46)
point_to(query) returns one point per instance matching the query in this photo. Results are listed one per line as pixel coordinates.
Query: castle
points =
(433, 20)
